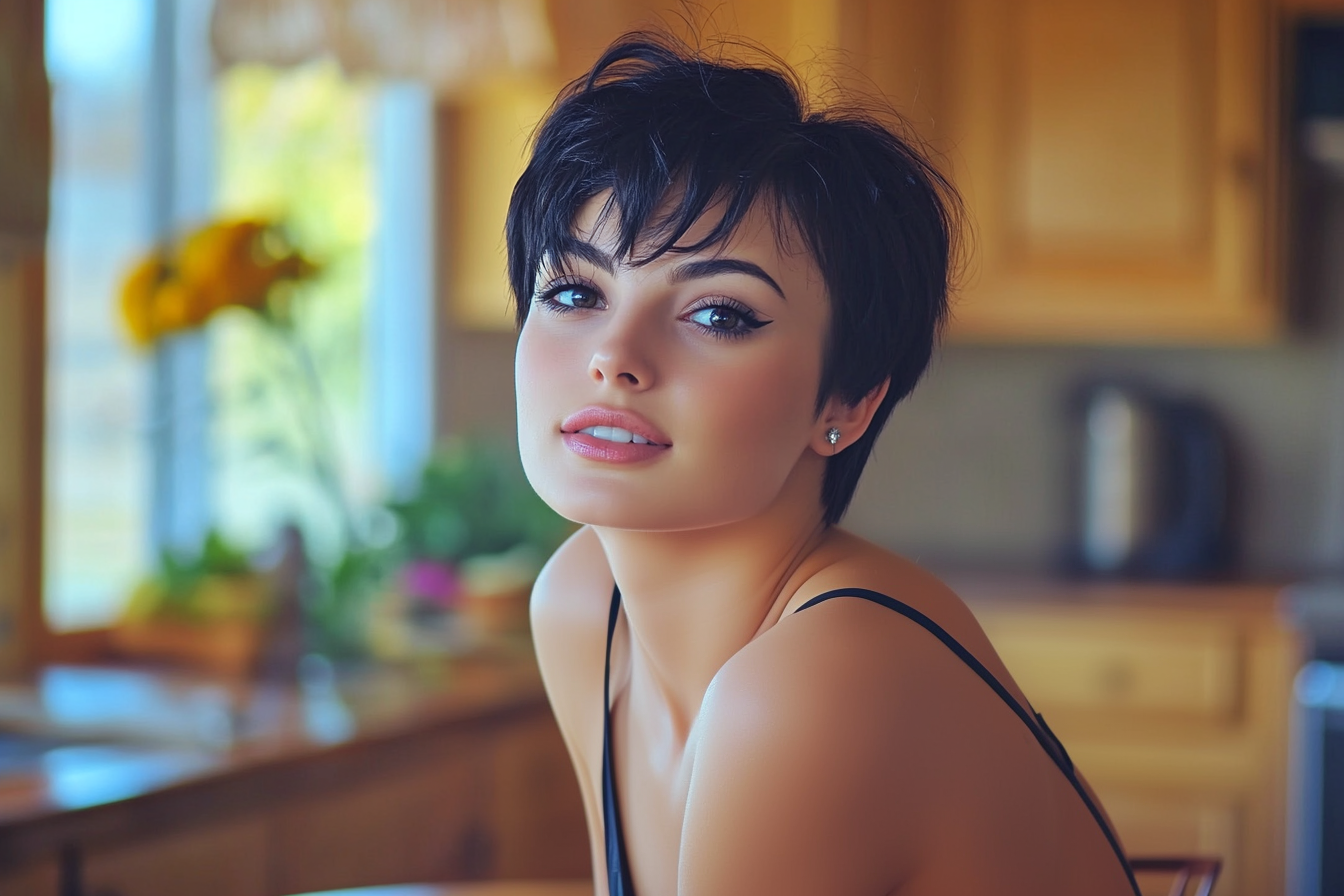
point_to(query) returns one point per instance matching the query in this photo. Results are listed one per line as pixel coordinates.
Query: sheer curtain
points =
(444, 44)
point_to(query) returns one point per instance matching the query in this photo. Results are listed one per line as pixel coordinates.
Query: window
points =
(145, 452)
(348, 167)
(98, 486)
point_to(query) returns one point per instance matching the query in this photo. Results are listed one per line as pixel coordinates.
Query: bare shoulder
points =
(848, 562)
(815, 750)
(843, 686)
(852, 751)
(847, 652)
(569, 607)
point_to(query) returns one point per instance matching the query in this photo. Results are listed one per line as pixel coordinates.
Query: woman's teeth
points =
(614, 434)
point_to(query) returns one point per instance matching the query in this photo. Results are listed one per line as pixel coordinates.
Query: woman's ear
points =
(841, 425)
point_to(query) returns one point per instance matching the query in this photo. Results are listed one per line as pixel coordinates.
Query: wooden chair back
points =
(1199, 872)
(481, 888)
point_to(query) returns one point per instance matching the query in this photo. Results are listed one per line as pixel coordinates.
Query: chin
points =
(622, 502)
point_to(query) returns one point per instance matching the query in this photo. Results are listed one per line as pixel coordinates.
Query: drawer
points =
(1123, 667)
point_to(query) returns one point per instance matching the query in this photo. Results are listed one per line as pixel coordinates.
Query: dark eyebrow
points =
(691, 270)
(573, 248)
(710, 267)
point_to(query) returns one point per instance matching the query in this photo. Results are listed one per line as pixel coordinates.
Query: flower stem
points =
(317, 420)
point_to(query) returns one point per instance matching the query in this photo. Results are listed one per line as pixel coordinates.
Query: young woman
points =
(721, 297)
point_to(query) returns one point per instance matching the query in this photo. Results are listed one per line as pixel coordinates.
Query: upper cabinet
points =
(1117, 159)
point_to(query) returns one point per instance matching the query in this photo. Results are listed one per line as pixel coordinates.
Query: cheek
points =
(538, 369)
(762, 405)
(757, 418)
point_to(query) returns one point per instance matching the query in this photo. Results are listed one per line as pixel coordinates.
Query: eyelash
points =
(546, 299)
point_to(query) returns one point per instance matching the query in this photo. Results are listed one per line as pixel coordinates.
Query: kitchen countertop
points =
(982, 589)
(87, 751)
(1318, 609)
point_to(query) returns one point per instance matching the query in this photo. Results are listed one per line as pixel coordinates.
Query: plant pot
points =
(226, 647)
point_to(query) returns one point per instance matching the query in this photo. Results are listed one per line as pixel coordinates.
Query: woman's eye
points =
(570, 298)
(725, 320)
(717, 317)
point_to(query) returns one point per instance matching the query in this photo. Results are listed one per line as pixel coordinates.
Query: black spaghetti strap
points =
(1033, 720)
(619, 882)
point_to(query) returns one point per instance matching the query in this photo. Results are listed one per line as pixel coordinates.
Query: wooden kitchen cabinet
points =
(227, 859)
(535, 807)
(502, 804)
(1118, 161)
(40, 879)
(413, 817)
(1174, 702)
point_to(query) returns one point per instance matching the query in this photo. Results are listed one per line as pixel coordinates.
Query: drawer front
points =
(1168, 668)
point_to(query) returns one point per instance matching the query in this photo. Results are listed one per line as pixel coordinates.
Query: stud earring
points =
(832, 436)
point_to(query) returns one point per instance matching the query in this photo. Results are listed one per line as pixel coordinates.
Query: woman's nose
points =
(623, 358)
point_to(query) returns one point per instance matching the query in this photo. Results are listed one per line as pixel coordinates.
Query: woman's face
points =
(713, 358)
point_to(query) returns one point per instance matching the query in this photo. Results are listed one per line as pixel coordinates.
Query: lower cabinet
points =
(228, 859)
(536, 809)
(1174, 703)
(419, 818)
(40, 879)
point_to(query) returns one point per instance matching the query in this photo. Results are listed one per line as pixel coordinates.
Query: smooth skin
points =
(841, 751)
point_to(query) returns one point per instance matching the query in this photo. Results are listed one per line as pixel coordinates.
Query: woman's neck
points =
(693, 598)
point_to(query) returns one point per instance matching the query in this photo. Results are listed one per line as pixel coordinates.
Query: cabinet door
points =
(227, 859)
(389, 818)
(536, 810)
(41, 879)
(1116, 157)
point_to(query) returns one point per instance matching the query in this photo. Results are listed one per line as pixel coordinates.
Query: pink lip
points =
(612, 452)
(626, 420)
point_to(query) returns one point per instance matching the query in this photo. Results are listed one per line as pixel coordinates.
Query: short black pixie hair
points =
(672, 132)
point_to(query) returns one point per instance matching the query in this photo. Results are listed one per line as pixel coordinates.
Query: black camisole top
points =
(619, 882)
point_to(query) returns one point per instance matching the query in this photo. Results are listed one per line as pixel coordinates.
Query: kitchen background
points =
(384, 135)
(973, 470)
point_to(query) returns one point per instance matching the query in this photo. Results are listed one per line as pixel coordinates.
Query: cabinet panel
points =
(219, 860)
(1117, 161)
(421, 821)
(1106, 133)
(42, 879)
(536, 809)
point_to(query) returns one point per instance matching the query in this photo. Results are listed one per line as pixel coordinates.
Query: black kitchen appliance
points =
(1153, 485)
